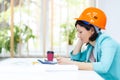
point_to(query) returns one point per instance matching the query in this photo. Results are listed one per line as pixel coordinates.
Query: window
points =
(50, 21)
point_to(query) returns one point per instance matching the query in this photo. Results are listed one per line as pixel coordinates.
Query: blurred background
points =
(30, 28)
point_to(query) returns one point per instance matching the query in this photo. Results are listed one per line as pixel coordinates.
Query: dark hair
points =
(87, 26)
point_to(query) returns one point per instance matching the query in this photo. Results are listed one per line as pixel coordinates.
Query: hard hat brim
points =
(76, 18)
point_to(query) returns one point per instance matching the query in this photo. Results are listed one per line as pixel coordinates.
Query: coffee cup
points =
(50, 55)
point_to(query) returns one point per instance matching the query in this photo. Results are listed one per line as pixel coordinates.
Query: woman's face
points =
(84, 34)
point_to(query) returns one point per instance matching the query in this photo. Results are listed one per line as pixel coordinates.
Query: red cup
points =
(50, 55)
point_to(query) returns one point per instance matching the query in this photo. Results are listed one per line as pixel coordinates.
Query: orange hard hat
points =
(94, 16)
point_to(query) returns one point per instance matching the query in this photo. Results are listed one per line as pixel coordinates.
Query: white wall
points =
(111, 8)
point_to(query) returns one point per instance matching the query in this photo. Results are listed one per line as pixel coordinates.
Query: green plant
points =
(3, 37)
(21, 35)
(68, 32)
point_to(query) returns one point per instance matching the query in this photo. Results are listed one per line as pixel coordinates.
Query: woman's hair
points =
(88, 26)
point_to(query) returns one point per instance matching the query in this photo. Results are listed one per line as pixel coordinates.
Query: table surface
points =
(31, 69)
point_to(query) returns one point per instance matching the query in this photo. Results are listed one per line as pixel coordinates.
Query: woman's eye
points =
(80, 32)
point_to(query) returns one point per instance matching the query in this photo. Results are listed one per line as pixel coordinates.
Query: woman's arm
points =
(77, 47)
(81, 65)
(79, 54)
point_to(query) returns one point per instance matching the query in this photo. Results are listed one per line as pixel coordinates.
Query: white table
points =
(24, 69)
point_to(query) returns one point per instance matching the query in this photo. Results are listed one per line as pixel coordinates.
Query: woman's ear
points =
(92, 30)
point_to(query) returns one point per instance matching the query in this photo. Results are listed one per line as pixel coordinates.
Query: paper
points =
(61, 68)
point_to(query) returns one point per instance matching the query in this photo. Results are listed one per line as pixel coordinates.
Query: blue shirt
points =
(107, 55)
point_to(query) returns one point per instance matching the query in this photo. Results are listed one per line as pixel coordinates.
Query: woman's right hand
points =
(78, 46)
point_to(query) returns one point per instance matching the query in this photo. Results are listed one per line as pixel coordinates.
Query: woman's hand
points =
(81, 65)
(62, 60)
(78, 47)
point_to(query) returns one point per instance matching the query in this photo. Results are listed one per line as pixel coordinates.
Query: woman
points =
(102, 53)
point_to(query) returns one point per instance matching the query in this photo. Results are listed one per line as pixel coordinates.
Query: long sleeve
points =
(81, 56)
(107, 50)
